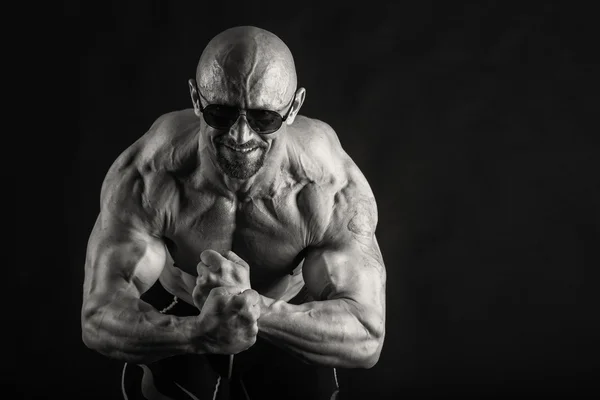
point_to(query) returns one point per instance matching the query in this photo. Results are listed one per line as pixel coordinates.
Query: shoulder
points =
(316, 153)
(169, 135)
(317, 138)
(340, 196)
(175, 123)
(137, 186)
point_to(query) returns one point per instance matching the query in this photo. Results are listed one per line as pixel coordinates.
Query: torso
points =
(260, 231)
(270, 231)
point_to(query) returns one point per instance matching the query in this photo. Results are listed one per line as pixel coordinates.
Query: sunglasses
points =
(223, 117)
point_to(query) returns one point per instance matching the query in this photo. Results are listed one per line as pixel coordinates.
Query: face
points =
(238, 138)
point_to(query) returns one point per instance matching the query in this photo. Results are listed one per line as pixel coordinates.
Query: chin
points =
(241, 175)
(239, 170)
(240, 167)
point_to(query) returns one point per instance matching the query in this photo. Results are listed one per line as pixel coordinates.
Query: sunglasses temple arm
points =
(287, 114)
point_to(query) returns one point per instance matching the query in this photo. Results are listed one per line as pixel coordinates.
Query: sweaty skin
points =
(170, 208)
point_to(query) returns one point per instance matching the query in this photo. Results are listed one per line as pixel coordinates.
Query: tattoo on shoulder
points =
(362, 223)
(363, 217)
(373, 252)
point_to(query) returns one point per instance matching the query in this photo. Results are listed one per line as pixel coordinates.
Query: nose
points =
(241, 131)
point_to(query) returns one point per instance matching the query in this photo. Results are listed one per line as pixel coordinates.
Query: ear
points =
(298, 101)
(195, 97)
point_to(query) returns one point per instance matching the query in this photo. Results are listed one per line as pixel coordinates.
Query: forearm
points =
(130, 329)
(336, 333)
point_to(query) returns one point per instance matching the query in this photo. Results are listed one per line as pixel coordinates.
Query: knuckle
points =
(238, 299)
(220, 261)
(251, 296)
(244, 295)
(245, 316)
(239, 276)
(201, 268)
(209, 277)
(244, 300)
(220, 302)
(240, 307)
(219, 292)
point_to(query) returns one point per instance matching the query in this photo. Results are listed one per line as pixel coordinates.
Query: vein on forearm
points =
(318, 330)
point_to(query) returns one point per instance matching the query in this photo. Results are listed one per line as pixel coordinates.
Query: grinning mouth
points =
(240, 149)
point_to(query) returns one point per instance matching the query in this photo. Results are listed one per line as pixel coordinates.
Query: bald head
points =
(248, 67)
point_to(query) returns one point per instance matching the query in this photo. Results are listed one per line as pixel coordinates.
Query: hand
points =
(228, 321)
(215, 270)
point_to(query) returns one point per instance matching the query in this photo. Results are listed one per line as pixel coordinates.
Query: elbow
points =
(371, 352)
(369, 342)
(87, 336)
(89, 328)
(95, 338)
(91, 318)
(370, 359)
(365, 356)
(99, 333)
(373, 344)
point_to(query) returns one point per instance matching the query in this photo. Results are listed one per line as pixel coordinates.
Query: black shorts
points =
(262, 372)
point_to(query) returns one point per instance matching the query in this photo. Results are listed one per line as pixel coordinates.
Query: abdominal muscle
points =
(181, 284)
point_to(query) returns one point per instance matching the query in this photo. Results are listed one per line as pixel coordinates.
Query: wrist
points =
(193, 336)
(269, 308)
(266, 305)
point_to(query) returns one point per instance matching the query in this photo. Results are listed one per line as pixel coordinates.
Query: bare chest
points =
(270, 234)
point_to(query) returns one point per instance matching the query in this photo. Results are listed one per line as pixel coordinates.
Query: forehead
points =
(258, 85)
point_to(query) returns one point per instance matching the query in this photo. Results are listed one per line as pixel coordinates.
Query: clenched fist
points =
(228, 321)
(216, 270)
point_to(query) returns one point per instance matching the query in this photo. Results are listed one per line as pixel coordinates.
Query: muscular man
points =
(239, 228)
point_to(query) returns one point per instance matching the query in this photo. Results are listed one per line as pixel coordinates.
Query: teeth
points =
(241, 150)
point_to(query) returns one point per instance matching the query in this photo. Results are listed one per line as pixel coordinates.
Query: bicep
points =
(347, 263)
(124, 252)
(353, 271)
(121, 258)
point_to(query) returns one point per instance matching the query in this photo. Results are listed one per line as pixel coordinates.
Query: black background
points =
(473, 122)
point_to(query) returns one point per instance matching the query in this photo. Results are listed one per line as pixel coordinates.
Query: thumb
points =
(212, 259)
(231, 256)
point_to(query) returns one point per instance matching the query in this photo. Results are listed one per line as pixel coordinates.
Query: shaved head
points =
(247, 67)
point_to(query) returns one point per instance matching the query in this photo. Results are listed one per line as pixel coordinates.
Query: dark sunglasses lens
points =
(264, 121)
(220, 117)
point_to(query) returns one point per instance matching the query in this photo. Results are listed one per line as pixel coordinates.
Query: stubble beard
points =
(240, 166)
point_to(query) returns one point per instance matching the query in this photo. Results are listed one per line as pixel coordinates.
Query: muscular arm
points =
(123, 260)
(346, 327)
